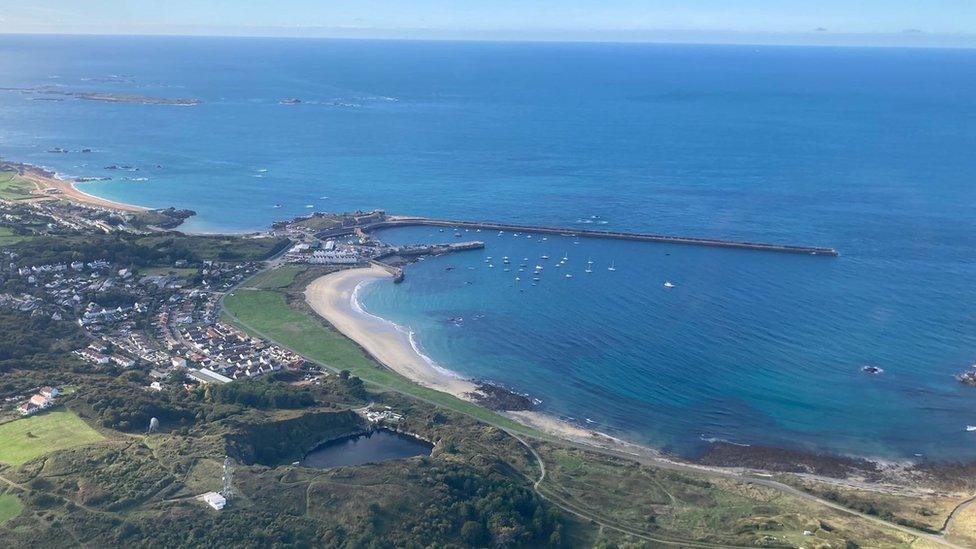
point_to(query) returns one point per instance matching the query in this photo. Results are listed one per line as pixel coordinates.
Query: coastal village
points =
(166, 319)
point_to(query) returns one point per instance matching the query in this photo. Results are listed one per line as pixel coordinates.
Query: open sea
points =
(870, 151)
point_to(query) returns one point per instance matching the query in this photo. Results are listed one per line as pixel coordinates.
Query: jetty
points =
(397, 272)
(437, 249)
(392, 259)
(382, 221)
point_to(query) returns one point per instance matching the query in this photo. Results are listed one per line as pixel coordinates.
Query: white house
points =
(215, 500)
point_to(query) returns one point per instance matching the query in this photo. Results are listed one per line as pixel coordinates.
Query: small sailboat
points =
(612, 267)
(668, 284)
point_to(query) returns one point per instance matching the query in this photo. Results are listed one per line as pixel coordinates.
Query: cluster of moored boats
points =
(536, 272)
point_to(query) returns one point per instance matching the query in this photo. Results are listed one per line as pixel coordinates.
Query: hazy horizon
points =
(900, 23)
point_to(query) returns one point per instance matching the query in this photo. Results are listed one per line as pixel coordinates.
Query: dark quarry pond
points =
(380, 445)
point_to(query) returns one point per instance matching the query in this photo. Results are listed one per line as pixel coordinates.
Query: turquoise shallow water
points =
(865, 150)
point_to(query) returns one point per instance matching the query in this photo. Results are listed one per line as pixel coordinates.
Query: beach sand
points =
(331, 296)
(44, 180)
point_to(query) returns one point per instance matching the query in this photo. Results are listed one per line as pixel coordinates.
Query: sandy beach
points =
(44, 180)
(331, 296)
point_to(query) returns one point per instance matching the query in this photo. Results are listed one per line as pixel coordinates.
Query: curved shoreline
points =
(44, 179)
(334, 297)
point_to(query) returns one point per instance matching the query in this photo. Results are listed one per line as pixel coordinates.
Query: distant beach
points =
(45, 181)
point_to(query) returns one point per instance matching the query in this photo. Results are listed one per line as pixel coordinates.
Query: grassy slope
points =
(277, 279)
(266, 312)
(678, 505)
(217, 247)
(12, 187)
(24, 439)
(7, 236)
(10, 507)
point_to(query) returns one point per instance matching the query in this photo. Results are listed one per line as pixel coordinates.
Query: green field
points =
(10, 507)
(24, 439)
(12, 187)
(7, 236)
(267, 314)
(277, 279)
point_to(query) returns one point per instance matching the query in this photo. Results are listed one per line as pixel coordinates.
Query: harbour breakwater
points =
(404, 221)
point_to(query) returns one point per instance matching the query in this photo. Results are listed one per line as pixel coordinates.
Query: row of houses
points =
(44, 398)
(234, 354)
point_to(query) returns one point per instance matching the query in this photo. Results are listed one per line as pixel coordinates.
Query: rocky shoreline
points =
(500, 399)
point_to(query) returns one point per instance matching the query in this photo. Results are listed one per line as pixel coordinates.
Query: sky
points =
(911, 22)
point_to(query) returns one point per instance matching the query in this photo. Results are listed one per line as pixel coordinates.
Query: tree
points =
(473, 533)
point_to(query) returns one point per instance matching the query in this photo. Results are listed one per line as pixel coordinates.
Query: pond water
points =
(380, 445)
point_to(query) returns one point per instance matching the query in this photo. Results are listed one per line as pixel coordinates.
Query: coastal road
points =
(947, 526)
(741, 476)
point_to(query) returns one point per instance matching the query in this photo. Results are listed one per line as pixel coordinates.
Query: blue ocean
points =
(869, 151)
